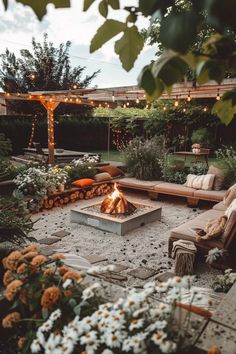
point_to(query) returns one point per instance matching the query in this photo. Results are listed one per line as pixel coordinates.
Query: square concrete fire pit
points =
(118, 224)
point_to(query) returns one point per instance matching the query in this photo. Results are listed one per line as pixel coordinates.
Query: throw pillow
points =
(230, 209)
(112, 170)
(219, 177)
(230, 195)
(204, 182)
(104, 176)
(84, 182)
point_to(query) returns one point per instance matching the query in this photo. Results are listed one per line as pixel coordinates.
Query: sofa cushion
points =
(84, 182)
(112, 170)
(219, 177)
(204, 182)
(230, 195)
(174, 189)
(220, 206)
(230, 229)
(186, 232)
(215, 196)
(137, 183)
(104, 176)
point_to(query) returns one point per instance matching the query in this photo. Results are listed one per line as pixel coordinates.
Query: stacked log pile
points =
(72, 195)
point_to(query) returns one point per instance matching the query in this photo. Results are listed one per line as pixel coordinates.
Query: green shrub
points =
(174, 171)
(144, 158)
(7, 170)
(226, 159)
(201, 136)
(198, 169)
(5, 146)
(85, 170)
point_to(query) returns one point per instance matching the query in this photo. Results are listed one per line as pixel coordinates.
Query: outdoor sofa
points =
(154, 188)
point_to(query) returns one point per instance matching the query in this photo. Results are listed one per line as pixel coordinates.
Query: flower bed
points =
(51, 310)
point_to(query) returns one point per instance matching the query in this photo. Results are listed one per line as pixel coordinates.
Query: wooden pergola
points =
(50, 100)
(112, 97)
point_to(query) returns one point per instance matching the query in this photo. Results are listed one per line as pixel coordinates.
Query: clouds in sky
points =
(18, 24)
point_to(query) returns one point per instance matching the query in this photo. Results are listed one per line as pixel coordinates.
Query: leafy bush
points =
(201, 136)
(224, 282)
(84, 170)
(7, 170)
(174, 171)
(5, 146)
(198, 169)
(144, 158)
(227, 160)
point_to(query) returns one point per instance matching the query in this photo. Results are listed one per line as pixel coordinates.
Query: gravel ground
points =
(145, 246)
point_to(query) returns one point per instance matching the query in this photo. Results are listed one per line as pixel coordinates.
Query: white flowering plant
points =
(224, 282)
(57, 176)
(135, 324)
(91, 159)
(32, 181)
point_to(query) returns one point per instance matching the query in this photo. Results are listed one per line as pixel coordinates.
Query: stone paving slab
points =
(163, 277)
(119, 267)
(143, 273)
(61, 233)
(49, 240)
(93, 258)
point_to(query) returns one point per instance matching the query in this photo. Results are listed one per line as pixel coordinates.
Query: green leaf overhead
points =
(146, 80)
(212, 69)
(178, 31)
(129, 47)
(40, 7)
(115, 4)
(225, 109)
(103, 8)
(108, 30)
(148, 7)
(87, 4)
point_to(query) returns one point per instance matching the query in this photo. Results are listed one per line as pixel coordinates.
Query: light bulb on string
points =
(205, 109)
(113, 96)
(164, 108)
(189, 97)
(137, 99)
(127, 103)
(184, 110)
(218, 95)
(124, 105)
(176, 104)
(32, 76)
(74, 87)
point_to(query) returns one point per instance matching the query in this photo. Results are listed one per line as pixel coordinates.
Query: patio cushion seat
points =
(220, 206)
(216, 196)
(138, 184)
(174, 189)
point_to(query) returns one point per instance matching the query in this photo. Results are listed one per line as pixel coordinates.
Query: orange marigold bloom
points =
(38, 260)
(31, 248)
(57, 256)
(63, 269)
(49, 271)
(76, 276)
(12, 289)
(13, 260)
(21, 342)
(22, 268)
(11, 319)
(50, 297)
(214, 350)
(29, 255)
(7, 278)
(4, 262)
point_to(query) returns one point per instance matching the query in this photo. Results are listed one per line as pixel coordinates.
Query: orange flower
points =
(21, 342)
(31, 248)
(50, 296)
(213, 350)
(12, 289)
(76, 276)
(49, 271)
(57, 256)
(11, 319)
(38, 260)
(63, 269)
(22, 268)
(29, 255)
(7, 278)
(4, 262)
(13, 260)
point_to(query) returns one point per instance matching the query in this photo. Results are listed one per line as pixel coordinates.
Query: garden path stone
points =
(94, 258)
(49, 240)
(119, 267)
(142, 273)
(61, 233)
(165, 276)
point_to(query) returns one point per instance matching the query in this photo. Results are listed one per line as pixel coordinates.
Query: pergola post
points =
(50, 107)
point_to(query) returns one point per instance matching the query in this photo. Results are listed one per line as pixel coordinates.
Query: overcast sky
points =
(19, 24)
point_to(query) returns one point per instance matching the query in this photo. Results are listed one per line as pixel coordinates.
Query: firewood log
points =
(50, 203)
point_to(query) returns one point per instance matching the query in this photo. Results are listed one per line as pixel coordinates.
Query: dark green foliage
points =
(5, 146)
(7, 170)
(226, 158)
(15, 222)
(201, 136)
(85, 170)
(144, 158)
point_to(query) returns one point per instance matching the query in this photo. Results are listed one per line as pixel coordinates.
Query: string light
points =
(205, 109)
(184, 110)
(147, 106)
(176, 102)
(113, 96)
(189, 97)
(32, 76)
(124, 105)
(99, 105)
(127, 103)
(137, 99)
(218, 95)
(74, 87)
(164, 108)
